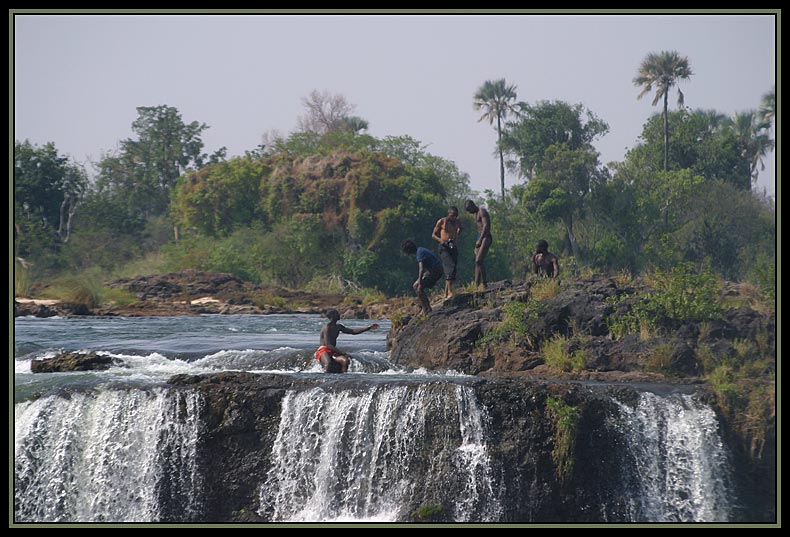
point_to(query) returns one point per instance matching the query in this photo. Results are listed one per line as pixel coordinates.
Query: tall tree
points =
(496, 99)
(662, 71)
(47, 190)
(141, 176)
(560, 188)
(326, 112)
(754, 140)
(767, 109)
(547, 123)
(700, 140)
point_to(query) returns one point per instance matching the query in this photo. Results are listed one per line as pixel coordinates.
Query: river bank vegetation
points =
(326, 206)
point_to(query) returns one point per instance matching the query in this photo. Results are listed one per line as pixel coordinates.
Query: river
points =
(120, 446)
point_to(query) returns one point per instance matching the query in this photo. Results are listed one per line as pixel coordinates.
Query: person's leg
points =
(424, 302)
(480, 269)
(343, 362)
(326, 361)
(453, 272)
(477, 267)
(422, 297)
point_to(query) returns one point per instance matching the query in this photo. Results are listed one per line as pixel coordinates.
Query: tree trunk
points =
(501, 157)
(72, 210)
(62, 221)
(666, 131)
(572, 237)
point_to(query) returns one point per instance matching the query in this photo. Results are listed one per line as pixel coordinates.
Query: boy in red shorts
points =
(332, 359)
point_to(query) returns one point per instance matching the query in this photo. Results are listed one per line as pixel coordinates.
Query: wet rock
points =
(74, 361)
(58, 309)
(182, 284)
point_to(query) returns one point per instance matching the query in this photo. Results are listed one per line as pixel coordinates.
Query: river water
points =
(109, 445)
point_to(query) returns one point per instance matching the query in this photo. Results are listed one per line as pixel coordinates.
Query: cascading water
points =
(378, 454)
(375, 444)
(108, 455)
(676, 461)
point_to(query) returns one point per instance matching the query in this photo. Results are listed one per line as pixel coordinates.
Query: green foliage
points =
(119, 297)
(221, 197)
(745, 390)
(565, 420)
(660, 359)
(546, 124)
(543, 289)
(427, 512)
(21, 279)
(338, 202)
(83, 288)
(555, 353)
(517, 317)
(101, 249)
(681, 295)
(48, 188)
(140, 177)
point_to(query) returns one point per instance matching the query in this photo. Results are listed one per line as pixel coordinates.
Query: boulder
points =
(74, 361)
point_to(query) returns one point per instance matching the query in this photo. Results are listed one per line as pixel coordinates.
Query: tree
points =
(139, 179)
(327, 112)
(702, 141)
(754, 141)
(547, 123)
(662, 71)
(767, 111)
(562, 185)
(354, 124)
(495, 98)
(640, 207)
(48, 188)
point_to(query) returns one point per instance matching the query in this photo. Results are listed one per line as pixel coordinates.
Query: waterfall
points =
(111, 455)
(676, 462)
(379, 454)
(358, 451)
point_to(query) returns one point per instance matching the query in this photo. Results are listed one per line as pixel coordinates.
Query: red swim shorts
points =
(321, 350)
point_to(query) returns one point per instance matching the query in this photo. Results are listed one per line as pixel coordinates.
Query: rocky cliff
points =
(469, 333)
(555, 451)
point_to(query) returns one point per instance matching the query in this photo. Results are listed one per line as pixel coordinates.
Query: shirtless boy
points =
(446, 232)
(484, 240)
(332, 359)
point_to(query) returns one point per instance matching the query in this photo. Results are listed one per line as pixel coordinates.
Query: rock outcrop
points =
(57, 309)
(457, 335)
(74, 361)
(541, 472)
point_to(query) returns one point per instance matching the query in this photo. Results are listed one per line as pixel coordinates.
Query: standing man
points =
(430, 270)
(484, 240)
(446, 232)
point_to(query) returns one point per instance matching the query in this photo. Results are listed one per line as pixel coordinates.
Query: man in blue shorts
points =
(430, 271)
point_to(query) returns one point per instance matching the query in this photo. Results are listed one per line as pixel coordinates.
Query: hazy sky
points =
(79, 78)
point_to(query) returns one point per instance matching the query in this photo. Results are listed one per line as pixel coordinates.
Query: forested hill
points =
(338, 213)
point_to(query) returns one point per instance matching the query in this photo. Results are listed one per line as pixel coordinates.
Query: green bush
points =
(427, 512)
(556, 355)
(680, 295)
(83, 288)
(517, 318)
(565, 420)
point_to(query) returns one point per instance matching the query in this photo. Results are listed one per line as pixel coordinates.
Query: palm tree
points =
(767, 110)
(496, 99)
(662, 71)
(751, 130)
